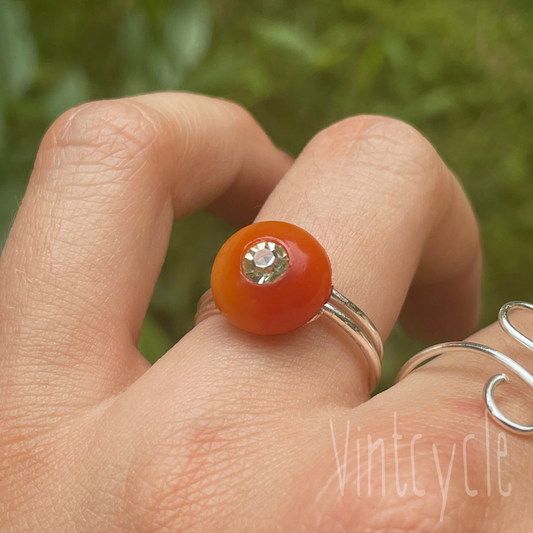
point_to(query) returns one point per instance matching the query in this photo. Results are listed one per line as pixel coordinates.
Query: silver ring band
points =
(342, 312)
(503, 318)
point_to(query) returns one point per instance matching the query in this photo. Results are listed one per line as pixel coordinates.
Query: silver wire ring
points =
(343, 313)
(488, 393)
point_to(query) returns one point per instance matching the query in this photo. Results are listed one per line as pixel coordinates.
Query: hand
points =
(231, 431)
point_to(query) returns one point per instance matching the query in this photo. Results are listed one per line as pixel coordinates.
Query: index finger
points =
(79, 267)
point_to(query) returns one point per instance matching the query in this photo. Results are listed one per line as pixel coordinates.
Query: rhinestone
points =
(265, 262)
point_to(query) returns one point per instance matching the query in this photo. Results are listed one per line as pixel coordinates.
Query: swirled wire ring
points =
(503, 318)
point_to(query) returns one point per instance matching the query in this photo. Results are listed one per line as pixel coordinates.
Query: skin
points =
(231, 431)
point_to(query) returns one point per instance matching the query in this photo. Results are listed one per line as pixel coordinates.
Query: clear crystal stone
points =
(265, 262)
(264, 258)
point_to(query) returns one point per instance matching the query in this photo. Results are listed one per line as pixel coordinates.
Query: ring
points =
(503, 318)
(273, 277)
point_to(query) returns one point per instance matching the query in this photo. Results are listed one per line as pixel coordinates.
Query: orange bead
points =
(271, 278)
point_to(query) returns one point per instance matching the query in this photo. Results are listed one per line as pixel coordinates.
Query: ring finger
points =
(396, 225)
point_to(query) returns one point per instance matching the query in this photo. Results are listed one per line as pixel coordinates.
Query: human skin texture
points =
(231, 431)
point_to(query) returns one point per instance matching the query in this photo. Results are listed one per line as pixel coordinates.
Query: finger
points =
(394, 216)
(382, 203)
(81, 261)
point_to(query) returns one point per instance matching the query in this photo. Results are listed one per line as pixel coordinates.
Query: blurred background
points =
(461, 72)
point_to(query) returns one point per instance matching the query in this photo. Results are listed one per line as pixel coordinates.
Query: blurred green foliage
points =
(461, 72)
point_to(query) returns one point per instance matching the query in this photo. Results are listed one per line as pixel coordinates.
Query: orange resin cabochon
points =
(284, 304)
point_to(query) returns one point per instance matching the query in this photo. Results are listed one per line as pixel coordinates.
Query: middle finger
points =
(391, 215)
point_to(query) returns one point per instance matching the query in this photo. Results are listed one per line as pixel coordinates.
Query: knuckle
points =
(106, 134)
(237, 119)
(388, 152)
(98, 123)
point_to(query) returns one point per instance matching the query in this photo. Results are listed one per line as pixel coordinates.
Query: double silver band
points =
(342, 312)
(503, 318)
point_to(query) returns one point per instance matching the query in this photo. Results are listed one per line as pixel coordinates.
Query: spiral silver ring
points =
(503, 318)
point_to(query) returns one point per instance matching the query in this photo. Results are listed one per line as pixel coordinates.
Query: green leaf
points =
(3, 132)
(154, 341)
(8, 207)
(187, 33)
(135, 52)
(397, 51)
(370, 63)
(287, 37)
(164, 71)
(71, 90)
(18, 52)
(433, 103)
(133, 34)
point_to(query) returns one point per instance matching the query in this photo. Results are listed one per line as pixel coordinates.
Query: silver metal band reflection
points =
(342, 312)
(488, 393)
